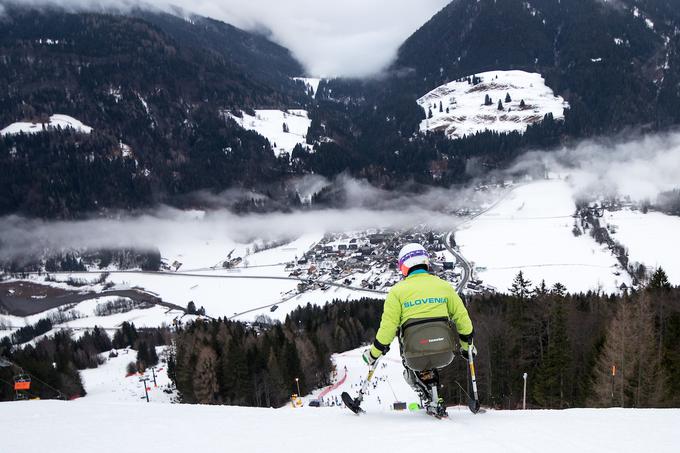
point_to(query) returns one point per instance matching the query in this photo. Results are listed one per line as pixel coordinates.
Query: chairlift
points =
(22, 382)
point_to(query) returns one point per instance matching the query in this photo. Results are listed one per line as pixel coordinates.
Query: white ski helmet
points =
(412, 255)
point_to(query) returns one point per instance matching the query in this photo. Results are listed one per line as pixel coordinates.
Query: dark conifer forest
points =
(161, 87)
(567, 343)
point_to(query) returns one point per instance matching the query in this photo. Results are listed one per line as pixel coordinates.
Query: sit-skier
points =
(420, 309)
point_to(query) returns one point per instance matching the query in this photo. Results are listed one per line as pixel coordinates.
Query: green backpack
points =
(427, 343)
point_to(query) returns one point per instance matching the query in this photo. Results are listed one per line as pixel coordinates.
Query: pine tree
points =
(429, 113)
(488, 100)
(285, 128)
(206, 389)
(441, 108)
(631, 347)
(507, 98)
(500, 105)
(559, 289)
(522, 104)
(521, 287)
(552, 375)
(191, 308)
(142, 355)
(659, 281)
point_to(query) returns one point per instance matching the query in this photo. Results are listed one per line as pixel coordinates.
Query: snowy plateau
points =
(284, 130)
(114, 418)
(55, 122)
(463, 111)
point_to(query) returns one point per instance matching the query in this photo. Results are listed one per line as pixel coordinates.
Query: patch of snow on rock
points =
(463, 111)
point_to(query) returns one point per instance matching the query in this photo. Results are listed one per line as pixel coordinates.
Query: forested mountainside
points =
(157, 91)
(153, 88)
(614, 62)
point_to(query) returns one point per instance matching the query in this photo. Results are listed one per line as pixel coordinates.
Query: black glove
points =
(466, 352)
(466, 344)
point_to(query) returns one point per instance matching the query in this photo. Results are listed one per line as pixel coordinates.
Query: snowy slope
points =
(109, 382)
(468, 115)
(389, 382)
(652, 239)
(67, 427)
(531, 230)
(270, 124)
(56, 121)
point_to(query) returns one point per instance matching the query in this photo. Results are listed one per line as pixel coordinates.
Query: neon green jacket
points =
(420, 295)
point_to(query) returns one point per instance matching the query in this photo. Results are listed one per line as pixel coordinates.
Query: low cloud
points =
(352, 38)
(640, 168)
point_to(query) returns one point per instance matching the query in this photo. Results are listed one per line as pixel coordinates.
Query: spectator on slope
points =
(420, 309)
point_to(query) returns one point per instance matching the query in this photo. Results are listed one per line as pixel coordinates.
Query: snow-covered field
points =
(86, 317)
(531, 230)
(468, 115)
(652, 239)
(270, 125)
(55, 121)
(67, 427)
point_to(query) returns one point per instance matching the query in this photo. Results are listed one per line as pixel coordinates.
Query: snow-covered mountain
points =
(500, 101)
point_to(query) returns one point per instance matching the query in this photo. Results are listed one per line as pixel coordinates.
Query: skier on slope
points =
(420, 309)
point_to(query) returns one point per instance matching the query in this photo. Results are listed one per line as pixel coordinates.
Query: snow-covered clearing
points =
(65, 427)
(109, 382)
(284, 130)
(652, 239)
(468, 115)
(310, 82)
(531, 230)
(55, 122)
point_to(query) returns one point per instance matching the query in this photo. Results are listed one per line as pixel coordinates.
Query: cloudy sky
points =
(330, 37)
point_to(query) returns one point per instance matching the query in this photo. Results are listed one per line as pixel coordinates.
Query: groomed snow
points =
(468, 115)
(531, 230)
(66, 427)
(55, 122)
(269, 124)
(652, 239)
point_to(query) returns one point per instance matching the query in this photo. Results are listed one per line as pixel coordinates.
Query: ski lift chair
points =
(22, 382)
